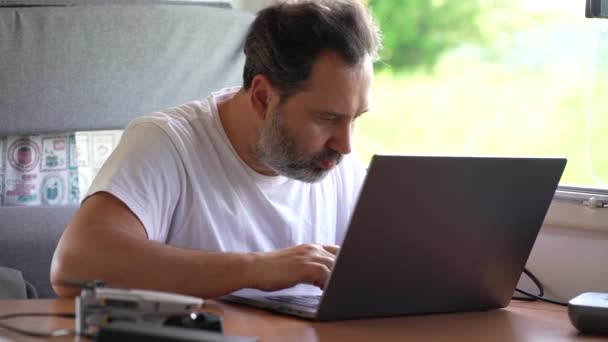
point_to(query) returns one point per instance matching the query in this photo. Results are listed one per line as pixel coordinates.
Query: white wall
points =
(569, 261)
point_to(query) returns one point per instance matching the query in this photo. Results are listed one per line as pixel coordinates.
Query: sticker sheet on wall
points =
(39, 170)
(52, 169)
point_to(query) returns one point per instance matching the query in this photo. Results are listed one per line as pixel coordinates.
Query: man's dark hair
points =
(286, 39)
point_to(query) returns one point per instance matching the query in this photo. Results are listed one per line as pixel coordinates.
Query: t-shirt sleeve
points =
(146, 174)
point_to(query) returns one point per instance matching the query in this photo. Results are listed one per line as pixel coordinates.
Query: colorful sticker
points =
(23, 154)
(22, 189)
(73, 154)
(52, 189)
(54, 153)
(74, 192)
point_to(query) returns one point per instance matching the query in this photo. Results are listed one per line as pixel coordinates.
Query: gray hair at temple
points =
(286, 38)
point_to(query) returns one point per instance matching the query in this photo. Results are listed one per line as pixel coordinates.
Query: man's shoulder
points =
(182, 119)
(191, 115)
(184, 113)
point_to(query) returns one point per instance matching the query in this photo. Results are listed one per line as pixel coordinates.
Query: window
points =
(495, 77)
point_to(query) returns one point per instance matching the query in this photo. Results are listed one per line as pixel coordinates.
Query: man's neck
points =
(241, 125)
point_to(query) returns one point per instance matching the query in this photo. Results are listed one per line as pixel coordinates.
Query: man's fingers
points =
(324, 260)
(317, 274)
(333, 249)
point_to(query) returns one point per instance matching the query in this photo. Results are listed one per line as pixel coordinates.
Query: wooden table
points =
(521, 321)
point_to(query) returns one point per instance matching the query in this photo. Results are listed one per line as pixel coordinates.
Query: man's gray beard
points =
(278, 151)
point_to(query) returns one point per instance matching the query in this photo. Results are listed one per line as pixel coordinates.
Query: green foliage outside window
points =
(491, 77)
(418, 32)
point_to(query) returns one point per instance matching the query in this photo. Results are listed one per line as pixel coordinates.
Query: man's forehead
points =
(339, 84)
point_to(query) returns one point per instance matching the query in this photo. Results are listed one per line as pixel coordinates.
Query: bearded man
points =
(251, 187)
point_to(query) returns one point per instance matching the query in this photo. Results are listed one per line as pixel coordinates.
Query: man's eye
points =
(328, 117)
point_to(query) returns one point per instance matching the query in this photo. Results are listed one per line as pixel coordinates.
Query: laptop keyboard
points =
(306, 301)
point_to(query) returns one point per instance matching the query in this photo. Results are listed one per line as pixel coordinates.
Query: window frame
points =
(579, 208)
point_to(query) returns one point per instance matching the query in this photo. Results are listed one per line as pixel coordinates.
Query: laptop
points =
(429, 234)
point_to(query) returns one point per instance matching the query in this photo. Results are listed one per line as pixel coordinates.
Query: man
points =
(251, 187)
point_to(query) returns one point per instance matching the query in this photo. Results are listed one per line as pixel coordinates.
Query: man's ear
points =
(261, 95)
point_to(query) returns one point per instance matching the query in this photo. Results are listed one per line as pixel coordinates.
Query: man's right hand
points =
(307, 263)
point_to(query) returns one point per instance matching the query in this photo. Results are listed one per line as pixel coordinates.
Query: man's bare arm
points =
(106, 241)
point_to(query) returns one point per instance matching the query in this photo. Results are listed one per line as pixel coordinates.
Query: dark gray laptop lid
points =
(439, 234)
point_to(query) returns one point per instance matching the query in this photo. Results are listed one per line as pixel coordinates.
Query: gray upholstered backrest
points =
(97, 67)
(75, 68)
(28, 238)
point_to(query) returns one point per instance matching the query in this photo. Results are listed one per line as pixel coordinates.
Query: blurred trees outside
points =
(491, 77)
(416, 33)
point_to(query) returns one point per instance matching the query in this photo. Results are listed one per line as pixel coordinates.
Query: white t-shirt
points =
(179, 174)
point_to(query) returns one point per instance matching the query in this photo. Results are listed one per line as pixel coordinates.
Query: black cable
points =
(539, 286)
(37, 314)
(54, 333)
(541, 292)
(541, 298)
(523, 299)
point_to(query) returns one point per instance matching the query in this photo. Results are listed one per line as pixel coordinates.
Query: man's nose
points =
(340, 140)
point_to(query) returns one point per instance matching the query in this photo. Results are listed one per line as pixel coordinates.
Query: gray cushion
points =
(97, 67)
(14, 3)
(12, 284)
(28, 236)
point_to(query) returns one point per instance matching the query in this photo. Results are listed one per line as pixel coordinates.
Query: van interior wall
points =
(250, 5)
(568, 262)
